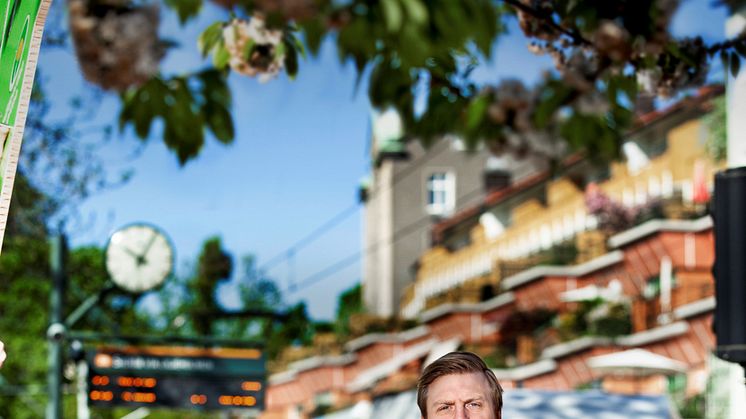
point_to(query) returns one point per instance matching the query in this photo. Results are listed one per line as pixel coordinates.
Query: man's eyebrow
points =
(475, 399)
(469, 400)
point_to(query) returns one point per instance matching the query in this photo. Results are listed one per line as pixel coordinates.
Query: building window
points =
(441, 193)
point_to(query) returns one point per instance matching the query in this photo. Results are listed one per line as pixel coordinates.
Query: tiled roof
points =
(703, 94)
(655, 226)
(537, 272)
(369, 377)
(400, 337)
(491, 304)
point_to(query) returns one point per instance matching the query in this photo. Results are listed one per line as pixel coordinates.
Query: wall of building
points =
(688, 338)
(378, 249)
(397, 228)
(397, 223)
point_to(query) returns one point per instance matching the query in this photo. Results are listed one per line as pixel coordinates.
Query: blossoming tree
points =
(609, 56)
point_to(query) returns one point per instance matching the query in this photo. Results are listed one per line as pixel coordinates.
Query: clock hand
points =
(140, 259)
(150, 243)
(130, 252)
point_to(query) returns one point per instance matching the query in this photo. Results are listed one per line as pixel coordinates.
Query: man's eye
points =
(443, 407)
(474, 405)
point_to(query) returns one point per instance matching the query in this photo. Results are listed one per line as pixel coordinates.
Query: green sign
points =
(18, 20)
(22, 24)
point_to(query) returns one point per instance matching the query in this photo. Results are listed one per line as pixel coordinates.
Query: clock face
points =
(139, 258)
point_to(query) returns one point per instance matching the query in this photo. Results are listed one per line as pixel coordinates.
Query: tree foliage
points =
(185, 104)
(61, 157)
(295, 329)
(190, 307)
(717, 127)
(214, 265)
(193, 307)
(607, 55)
(24, 301)
(24, 289)
(349, 302)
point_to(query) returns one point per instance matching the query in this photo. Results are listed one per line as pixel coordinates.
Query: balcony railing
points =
(542, 228)
(647, 313)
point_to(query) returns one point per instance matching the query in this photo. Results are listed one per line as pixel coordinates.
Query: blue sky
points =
(299, 154)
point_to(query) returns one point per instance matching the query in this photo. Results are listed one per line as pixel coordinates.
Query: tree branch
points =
(719, 46)
(573, 34)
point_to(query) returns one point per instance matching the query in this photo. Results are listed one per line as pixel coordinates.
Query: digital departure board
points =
(180, 377)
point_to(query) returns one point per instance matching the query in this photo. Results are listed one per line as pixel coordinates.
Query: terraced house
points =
(553, 278)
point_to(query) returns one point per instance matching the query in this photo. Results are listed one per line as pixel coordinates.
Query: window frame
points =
(445, 186)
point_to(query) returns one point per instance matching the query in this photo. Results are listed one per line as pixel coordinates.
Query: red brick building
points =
(510, 291)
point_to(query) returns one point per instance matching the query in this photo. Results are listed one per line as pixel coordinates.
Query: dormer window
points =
(441, 193)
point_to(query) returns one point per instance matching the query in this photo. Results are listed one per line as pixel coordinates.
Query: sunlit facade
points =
(549, 272)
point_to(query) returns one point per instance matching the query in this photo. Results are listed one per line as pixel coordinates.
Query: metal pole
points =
(736, 98)
(82, 397)
(736, 105)
(56, 331)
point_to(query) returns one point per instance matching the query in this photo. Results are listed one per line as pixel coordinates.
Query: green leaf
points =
(392, 14)
(186, 9)
(621, 84)
(209, 38)
(215, 87)
(294, 43)
(476, 111)
(313, 32)
(674, 50)
(596, 135)
(416, 11)
(248, 49)
(735, 64)
(187, 109)
(555, 94)
(220, 122)
(220, 56)
(280, 49)
(142, 120)
(291, 61)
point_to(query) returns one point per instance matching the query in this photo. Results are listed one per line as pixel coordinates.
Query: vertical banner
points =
(22, 25)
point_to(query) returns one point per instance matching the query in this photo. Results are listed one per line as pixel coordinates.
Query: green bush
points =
(616, 322)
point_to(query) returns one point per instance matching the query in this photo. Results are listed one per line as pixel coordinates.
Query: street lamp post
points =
(56, 330)
(730, 217)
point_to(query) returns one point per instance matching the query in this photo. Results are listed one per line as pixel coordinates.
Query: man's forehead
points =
(465, 385)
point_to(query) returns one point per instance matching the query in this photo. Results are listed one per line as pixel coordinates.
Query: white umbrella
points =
(590, 292)
(636, 362)
(612, 292)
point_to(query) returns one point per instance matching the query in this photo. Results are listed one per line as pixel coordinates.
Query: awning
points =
(637, 362)
(613, 292)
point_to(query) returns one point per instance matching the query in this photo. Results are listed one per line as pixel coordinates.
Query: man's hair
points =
(458, 363)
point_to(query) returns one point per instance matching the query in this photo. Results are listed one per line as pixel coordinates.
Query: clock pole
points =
(60, 327)
(56, 330)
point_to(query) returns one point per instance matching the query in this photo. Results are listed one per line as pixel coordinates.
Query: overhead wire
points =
(291, 251)
(310, 238)
(354, 257)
